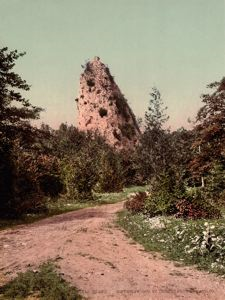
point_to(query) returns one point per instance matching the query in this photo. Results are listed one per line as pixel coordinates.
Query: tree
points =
(68, 140)
(156, 116)
(16, 133)
(209, 143)
(111, 173)
(181, 141)
(80, 174)
(15, 110)
(154, 150)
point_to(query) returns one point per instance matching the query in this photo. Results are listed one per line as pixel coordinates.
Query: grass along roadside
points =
(200, 243)
(63, 205)
(45, 283)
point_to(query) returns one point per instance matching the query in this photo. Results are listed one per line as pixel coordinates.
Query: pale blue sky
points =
(176, 45)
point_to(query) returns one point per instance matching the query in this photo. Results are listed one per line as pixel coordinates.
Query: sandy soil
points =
(100, 260)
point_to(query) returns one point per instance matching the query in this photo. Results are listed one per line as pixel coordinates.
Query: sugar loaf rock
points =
(103, 109)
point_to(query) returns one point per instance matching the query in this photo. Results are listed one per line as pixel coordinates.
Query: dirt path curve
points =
(100, 260)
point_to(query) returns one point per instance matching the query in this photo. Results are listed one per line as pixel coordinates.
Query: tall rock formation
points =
(102, 107)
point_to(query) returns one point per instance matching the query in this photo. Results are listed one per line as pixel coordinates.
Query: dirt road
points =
(100, 260)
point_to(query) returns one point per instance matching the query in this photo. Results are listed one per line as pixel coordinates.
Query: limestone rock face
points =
(102, 107)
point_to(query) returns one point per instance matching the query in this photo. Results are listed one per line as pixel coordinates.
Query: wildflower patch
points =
(200, 242)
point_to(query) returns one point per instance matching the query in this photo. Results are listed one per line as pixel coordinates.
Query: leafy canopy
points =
(209, 144)
(15, 110)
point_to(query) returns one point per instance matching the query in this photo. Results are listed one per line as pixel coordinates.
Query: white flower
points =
(213, 265)
(190, 251)
(203, 245)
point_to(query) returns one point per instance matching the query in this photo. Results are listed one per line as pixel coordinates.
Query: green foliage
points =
(87, 163)
(209, 143)
(154, 151)
(17, 138)
(156, 115)
(198, 243)
(6, 176)
(66, 204)
(110, 174)
(180, 155)
(161, 200)
(80, 175)
(51, 185)
(36, 164)
(196, 205)
(15, 110)
(67, 140)
(136, 203)
(215, 183)
(21, 194)
(167, 198)
(161, 203)
(105, 198)
(32, 175)
(46, 283)
(178, 160)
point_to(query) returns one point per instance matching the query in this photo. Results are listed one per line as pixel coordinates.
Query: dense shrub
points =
(136, 203)
(196, 206)
(161, 200)
(34, 177)
(160, 203)
(215, 184)
(87, 163)
(130, 169)
(50, 185)
(47, 174)
(27, 176)
(168, 196)
(16, 112)
(6, 177)
(165, 199)
(67, 140)
(19, 189)
(110, 174)
(80, 175)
